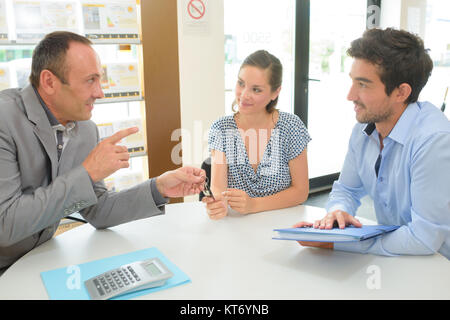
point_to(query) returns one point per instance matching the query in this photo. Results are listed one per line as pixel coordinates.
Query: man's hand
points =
(324, 245)
(106, 158)
(338, 217)
(342, 219)
(239, 200)
(181, 182)
(216, 209)
(316, 244)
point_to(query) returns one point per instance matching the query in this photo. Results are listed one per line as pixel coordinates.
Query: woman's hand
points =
(239, 200)
(216, 209)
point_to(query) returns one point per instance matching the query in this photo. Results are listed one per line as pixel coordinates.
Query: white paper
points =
(111, 21)
(35, 19)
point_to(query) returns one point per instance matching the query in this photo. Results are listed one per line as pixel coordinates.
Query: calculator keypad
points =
(115, 280)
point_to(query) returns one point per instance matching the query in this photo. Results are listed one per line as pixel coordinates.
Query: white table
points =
(236, 258)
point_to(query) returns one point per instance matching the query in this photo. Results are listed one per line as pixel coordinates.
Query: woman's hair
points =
(266, 61)
(50, 54)
(399, 55)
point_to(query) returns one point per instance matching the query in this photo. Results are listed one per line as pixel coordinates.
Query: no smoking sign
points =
(196, 9)
(196, 17)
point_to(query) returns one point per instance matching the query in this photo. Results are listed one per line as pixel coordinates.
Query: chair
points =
(206, 165)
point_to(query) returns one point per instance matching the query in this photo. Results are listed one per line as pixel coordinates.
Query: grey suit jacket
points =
(36, 190)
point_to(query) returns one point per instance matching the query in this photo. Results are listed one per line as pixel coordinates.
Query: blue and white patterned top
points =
(288, 139)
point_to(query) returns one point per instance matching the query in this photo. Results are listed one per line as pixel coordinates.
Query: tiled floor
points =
(366, 209)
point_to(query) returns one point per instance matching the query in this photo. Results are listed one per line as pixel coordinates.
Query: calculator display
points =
(152, 269)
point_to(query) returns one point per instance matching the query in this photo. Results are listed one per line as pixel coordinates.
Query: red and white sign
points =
(196, 17)
(196, 9)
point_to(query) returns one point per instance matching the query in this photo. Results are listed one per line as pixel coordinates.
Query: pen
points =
(445, 98)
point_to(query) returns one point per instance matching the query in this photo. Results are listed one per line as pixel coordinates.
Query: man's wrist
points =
(158, 196)
(159, 186)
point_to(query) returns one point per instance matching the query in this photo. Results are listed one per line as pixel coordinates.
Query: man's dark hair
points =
(399, 55)
(50, 54)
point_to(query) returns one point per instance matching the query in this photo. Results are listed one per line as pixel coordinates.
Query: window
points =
(330, 116)
(252, 25)
(438, 41)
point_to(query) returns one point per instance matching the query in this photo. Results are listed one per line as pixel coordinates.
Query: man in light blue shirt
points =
(399, 152)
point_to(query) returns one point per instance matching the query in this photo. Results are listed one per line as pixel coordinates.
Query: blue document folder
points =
(68, 283)
(347, 234)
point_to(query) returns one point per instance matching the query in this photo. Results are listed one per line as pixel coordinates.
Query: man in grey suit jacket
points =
(51, 161)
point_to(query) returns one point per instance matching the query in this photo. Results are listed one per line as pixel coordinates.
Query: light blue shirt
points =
(412, 188)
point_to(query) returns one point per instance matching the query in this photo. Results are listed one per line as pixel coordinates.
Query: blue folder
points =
(347, 234)
(68, 283)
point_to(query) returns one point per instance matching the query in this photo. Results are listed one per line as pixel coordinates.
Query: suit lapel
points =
(42, 129)
(69, 154)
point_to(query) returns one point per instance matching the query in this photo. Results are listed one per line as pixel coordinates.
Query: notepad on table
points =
(68, 283)
(347, 234)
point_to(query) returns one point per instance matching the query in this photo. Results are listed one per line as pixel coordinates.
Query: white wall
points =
(413, 17)
(390, 14)
(404, 14)
(202, 78)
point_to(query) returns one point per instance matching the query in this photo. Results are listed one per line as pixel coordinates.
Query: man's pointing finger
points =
(119, 135)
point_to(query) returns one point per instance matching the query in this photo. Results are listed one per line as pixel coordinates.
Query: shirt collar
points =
(51, 118)
(368, 130)
(404, 124)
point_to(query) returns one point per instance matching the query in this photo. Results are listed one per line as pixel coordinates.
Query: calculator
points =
(128, 278)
